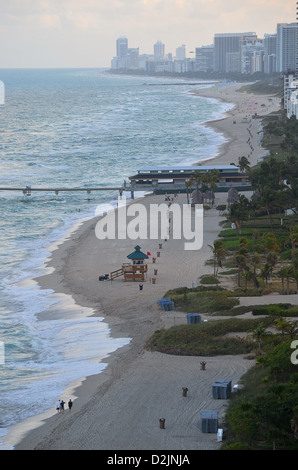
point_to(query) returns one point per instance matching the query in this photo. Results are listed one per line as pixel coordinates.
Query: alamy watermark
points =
(159, 221)
(294, 355)
(2, 92)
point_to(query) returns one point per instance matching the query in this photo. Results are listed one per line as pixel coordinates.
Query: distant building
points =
(205, 58)
(121, 47)
(292, 106)
(291, 95)
(252, 57)
(230, 53)
(269, 42)
(163, 65)
(126, 58)
(233, 62)
(181, 52)
(132, 60)
(159, 50)
(286, 47)
(144, 59)
(227, 51)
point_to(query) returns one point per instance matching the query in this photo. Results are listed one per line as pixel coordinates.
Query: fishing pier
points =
(160, 180)
(28, 190)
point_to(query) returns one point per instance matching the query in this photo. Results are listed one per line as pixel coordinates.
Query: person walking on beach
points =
(58, 406)
(69, 404)
(62, 406)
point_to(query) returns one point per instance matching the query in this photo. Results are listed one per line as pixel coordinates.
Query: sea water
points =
(74, 128)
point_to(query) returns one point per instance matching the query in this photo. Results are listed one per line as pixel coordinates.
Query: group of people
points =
(60, 405)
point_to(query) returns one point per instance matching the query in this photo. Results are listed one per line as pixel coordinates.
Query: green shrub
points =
(204, 301)
(207, 338)
(237, 446)
(209, 279)
(280, 310)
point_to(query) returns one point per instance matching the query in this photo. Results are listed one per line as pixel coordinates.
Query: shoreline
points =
(126, 318)
(231, 126)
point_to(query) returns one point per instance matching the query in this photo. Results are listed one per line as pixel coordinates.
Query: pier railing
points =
(29, 189)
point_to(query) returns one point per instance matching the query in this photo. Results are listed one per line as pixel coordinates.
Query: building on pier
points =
(172, 179)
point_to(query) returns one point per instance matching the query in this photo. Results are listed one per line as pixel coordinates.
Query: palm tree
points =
(270, 242)
(247, 274)
(241, 263)
(293, 329)
(283, 326)
(268, 198)
(219, 254)
(213, 179)
(256, 258)
(188, 184)
(294, 239)
(255, 236)
(199, 179)
(272, 259)
(282, 274)
(243, 164)
(265, 273)
(286, 273)
(258, 333)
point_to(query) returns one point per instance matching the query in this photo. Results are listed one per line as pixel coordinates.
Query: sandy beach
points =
(121, 407)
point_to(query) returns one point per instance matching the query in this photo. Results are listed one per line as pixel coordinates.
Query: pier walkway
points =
(28, 189)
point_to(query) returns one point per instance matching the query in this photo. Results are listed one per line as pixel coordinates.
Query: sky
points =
(83, 33)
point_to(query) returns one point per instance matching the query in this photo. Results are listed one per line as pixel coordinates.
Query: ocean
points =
(74, 128)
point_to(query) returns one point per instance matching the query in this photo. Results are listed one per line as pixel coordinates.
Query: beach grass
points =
(202, 301)
(207, 338)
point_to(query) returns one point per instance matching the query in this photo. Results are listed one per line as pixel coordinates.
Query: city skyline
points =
(77, 33)
(242, 53)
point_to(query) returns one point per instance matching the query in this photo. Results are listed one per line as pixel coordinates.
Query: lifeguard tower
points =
(137, 269)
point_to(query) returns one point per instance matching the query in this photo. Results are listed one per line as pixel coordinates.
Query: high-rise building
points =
(121, 47)
(227, 51)
(205, 58)
(133, 58)
(126, 58)
(286, 47)
(159, 50)
(270, 53)
(252, 55)
(181, 52)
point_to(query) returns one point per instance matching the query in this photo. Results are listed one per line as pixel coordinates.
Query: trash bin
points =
(221, 389)
(193, 318)
(209, 421)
